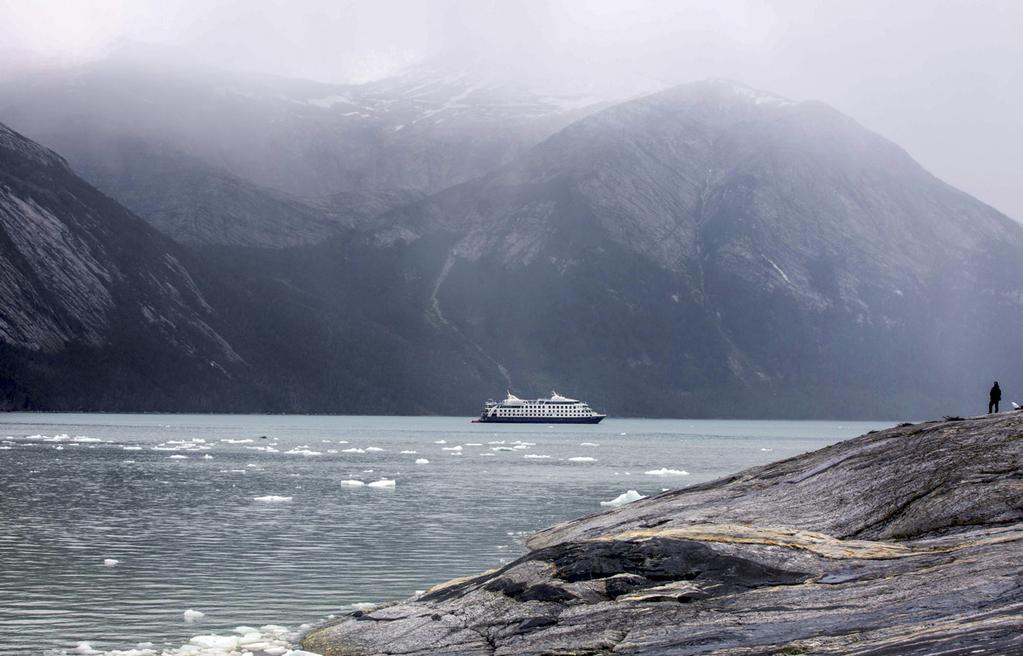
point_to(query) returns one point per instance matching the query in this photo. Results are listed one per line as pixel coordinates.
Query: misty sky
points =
(942, 78)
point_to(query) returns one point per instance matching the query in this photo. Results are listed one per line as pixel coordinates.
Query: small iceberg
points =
(178, 457)
(622, 499)
(422, 461)
(272, 498)
(110, 562)
(383, 482)
(666, 472)
(373, 448)
(193, 615)
(352, 482)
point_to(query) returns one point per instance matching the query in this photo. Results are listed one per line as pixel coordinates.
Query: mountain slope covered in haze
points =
(714, 249)
(197, 153)
(710, 250)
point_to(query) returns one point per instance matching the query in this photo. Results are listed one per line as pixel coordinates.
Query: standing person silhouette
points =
(996, 396)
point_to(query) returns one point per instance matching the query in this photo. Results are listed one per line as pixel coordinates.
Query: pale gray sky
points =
(940, 77)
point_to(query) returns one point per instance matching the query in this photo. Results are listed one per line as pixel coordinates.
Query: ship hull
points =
(539, 420)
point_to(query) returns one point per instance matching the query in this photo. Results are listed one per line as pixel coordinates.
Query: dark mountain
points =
(716, 250)
(99, 310)
(706, 251)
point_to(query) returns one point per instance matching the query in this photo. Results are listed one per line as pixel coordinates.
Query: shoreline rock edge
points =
(902, 541)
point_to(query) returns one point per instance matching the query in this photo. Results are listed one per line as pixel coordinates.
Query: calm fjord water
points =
(194, 508)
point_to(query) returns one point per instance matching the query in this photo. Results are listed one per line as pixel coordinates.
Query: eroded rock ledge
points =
(904, 541)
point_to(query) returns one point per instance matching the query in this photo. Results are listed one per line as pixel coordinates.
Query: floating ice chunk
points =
(331, 450)
(383, 482)
(131, 448)
(473, 444)
(373, 448)
(501, 448)
(409, 452)
(496, 442)
(422, 461)
(354, 449)
(230, 441)
(486, 454)
(367, 471)
(298, 652)
(110, 562)
(582, 459)
(622, 499)
(440, 441)
(623, 434)
(207, 456)
(303, 452)
(178, 457)
(351, 482)
(451, 448)
(193, 615)
(666, 472)
(221, 643)
(272, 498)
(59, 448)
(534, 456)
(85, 648)
(764, 448)
(128, 462)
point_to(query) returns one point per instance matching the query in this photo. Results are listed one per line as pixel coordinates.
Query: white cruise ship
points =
(555, 410)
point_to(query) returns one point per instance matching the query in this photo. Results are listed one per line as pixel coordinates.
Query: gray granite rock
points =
(903, 541)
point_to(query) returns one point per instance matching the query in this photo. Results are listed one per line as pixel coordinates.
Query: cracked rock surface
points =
(905, 541)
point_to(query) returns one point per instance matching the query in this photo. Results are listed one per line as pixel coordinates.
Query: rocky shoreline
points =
(904, 541)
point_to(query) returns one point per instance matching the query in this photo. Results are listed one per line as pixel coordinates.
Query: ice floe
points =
(588, 444)
(178, 457)
(582, 459)
(351, 482)
(422, 461)
(354, 449)
(193, 615)
(624, 498)
(451, 448)
(383, 482)
(303, 452)
(373, 448)
(272, 498)
(409, 452)
(663, 471)
(535, 456)
(110, 562)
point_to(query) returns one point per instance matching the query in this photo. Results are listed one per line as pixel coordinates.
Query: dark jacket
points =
(996, 393)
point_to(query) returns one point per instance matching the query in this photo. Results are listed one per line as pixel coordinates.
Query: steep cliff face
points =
(93, 295)
(712, 243)
(903, 541)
